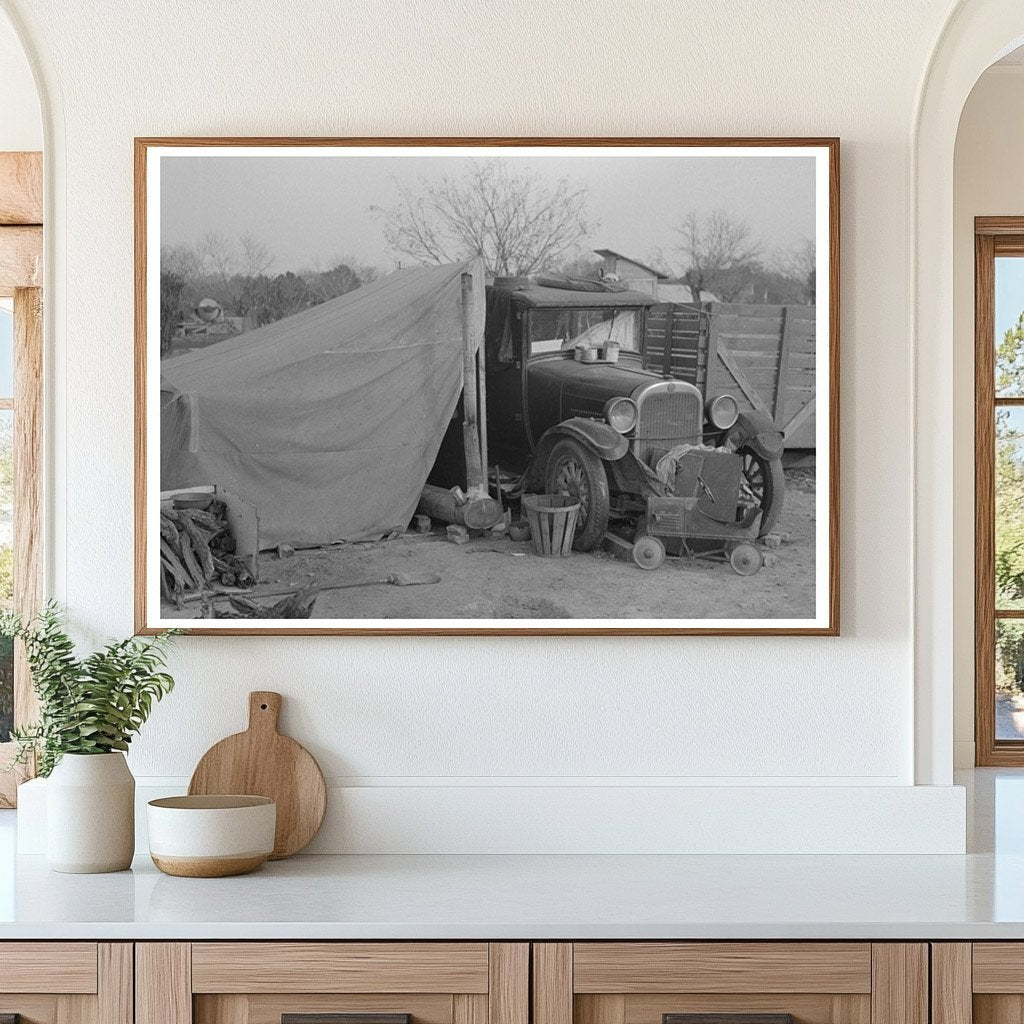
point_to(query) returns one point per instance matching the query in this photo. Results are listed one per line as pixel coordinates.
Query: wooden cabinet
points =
(978, 983)
(66, 982)
(494, 983)
(307, 982)
(754, 982)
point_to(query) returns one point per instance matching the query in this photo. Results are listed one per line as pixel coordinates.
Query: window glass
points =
(1009, 679)
(1009, 324)
(1009, 510)
(1008, 410)
(561, 330)
(6, 567)
(6, 353)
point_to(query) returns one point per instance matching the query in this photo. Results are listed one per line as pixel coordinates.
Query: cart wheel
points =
(745, 559)
(648, 552)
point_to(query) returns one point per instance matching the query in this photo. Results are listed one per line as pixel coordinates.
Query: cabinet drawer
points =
(752, 967)
(981, 982)
(340, 967)
(65, 967)
(998, 967)
(66, 982)
(332, 983)
(730, 983)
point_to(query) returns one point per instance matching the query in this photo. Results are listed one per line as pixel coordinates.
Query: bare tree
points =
(182, 260)
(718, 252)
(511, 218)
(580, 263)
(798, 263)
(366, 272)
(254, 257)
(171, 287)
(218, 254)
(181, 268)
(237, 274)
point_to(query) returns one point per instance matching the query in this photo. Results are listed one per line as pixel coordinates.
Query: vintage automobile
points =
(567, 392)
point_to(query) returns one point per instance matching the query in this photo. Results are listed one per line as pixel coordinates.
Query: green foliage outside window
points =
(1009, 471)
(1009, 509)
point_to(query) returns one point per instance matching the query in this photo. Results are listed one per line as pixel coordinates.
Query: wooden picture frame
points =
(824, 621)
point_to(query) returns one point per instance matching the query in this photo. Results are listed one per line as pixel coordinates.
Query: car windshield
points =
(561, 330)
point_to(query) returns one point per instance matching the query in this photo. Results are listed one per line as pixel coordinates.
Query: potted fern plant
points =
(90, 708)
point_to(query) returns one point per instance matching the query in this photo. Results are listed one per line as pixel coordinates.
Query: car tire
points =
(576, 472)
(766, 479)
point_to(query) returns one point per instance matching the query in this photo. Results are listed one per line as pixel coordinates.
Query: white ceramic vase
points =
(90, 814)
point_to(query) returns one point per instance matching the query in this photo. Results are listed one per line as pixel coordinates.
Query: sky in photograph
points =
(309, 211)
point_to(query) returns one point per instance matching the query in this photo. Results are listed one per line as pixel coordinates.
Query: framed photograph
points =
(498, 386)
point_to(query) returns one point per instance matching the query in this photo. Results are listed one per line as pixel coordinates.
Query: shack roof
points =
(659, 274)
(540, 297)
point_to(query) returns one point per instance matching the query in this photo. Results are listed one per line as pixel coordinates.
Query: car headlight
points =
(722, 412)
(621, 413)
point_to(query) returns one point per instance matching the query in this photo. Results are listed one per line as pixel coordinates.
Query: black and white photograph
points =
(446, 386)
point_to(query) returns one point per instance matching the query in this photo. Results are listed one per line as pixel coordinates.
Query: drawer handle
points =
(339, 1018)
(727, 1018)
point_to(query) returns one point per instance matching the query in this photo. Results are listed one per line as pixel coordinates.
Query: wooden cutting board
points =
(262, 762)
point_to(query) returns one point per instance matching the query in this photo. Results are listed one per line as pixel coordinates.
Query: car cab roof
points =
(542, 297)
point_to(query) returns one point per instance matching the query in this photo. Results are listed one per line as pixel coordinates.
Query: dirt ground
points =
(497, 578)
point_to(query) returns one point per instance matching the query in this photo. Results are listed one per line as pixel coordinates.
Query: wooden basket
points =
(552, 519)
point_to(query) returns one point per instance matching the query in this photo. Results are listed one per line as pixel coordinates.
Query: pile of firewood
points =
(197, 550)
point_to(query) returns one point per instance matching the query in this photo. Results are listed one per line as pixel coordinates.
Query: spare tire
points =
(764, 487)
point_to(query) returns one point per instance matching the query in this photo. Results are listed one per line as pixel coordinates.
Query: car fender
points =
(603, 440)
(757, 431)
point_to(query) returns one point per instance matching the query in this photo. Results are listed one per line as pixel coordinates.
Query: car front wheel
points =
(576, 472)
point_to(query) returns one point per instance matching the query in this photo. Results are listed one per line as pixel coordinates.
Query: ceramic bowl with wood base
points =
(211, 836)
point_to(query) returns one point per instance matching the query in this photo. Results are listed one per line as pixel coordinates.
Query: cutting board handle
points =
(264, 710)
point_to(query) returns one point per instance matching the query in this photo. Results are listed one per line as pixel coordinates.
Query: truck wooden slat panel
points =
(741, 331)
(764, 356)
(748, 309)
(761, 343)
(763, 382)
(763, 364)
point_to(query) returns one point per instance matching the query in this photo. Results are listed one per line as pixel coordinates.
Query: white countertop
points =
(977, 896)
(517, 897)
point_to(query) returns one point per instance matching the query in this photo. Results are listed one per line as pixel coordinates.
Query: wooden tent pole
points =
(476, 484)
(482, 406)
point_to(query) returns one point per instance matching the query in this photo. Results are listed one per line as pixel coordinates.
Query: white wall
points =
(21, 127)
(987, 181)
(427, 715)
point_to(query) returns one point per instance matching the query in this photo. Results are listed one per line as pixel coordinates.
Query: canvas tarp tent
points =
(330, 420)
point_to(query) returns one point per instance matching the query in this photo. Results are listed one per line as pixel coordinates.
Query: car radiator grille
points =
(667, 418)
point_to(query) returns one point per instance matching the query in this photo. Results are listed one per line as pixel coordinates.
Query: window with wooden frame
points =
(999, 490)
(21, 366)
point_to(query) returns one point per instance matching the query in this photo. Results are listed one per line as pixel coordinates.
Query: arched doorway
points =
(976, 34)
